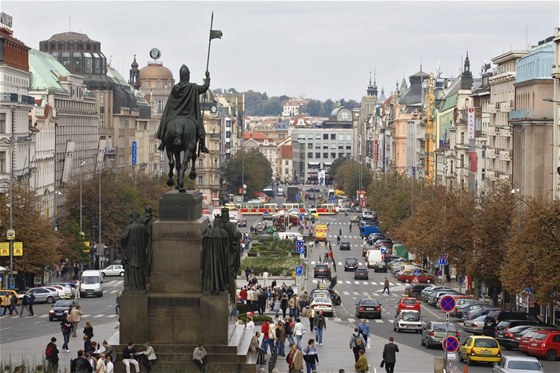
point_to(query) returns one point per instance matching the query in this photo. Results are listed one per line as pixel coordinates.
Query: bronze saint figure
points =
(134, 242)
(215, 259)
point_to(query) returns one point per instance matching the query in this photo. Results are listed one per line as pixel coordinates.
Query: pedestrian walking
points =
(6, 304)
(200, 357)
(338, 240)
(390, 355)
(299, 331)
(75, 317)
(13, 303)
(356, 343)
(319, 326)
(31, 302)
(25, 305)
(118, 303)
(66, 329)
(128, 358)
(100, 366)
(310, 356)
(350, 227)
(339, 232)
(310, 313)
(362, 365)
(289, 326)
(284, 305)
(386, 286)
(88, 330)
(295, 359)
(363, 328)
(280, 338)
(51, 355)
(266, 341)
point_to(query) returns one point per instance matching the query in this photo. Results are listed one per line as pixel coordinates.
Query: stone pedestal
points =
(175, 315)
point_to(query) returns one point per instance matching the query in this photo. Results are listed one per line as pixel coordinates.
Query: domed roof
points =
(155, 70)
(75, 36)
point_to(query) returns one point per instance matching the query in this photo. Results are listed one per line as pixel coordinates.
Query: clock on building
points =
(344, 115)
(155, 53)
(213, 109)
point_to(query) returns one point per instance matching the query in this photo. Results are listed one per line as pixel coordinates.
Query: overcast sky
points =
(309, 49)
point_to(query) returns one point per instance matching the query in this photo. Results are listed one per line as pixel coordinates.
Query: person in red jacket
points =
(243, 294)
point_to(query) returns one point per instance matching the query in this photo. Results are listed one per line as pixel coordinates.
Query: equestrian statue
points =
(181, 127)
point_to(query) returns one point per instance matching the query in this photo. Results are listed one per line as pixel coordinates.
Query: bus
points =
(327, 209)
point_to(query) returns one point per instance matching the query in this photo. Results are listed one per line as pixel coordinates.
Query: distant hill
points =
(259, 104)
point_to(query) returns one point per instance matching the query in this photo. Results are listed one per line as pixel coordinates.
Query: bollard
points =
(438, 364)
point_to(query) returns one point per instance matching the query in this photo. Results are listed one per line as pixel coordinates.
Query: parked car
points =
(415, 290)
(473, 314)
(518, 364)
(242, 223)
(545, 345)
(361, 274)
(425, 294)
(434, 332)
(322, 304)
(380, 267)
(354, 219)
(433, 300)
(506, 337)
(43, 295)
(474, 326)
(70, 286)
(527, 335)
(462, 312)
(494, 317)
(344, 245)
(390, 258)
(63, 291)
(350, 264)
(505, 325)
(113, 270)
(480, 349)
(322, 271)
(366, 308)
(408, 303)
(422, 277)
(59, 310)
(408, 320)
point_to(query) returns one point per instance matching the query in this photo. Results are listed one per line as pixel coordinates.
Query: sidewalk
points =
(32, 350)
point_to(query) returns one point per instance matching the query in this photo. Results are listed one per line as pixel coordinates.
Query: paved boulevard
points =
(33, 333)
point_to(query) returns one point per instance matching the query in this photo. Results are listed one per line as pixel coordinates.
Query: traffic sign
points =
(299, 247)
(299, 270)
(450, 344)
(447, 303)
(134, 154)
(383, 249)
(11, 234)
(417, 272)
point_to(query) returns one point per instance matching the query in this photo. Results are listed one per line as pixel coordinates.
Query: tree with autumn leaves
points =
(249, 167)
(499, 238)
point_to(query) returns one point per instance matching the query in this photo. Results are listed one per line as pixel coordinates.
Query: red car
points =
(527, 339)
(545, 345)
(408, 276)
(408, 303)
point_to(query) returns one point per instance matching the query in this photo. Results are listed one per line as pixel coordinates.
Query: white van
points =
(91, 283)
(373, 256)
(294, 236)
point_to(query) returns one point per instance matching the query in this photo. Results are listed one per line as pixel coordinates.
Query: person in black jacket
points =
(80, 364)
(390, 355)
(51, 355)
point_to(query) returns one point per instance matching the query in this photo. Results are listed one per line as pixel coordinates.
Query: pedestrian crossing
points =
(347, 282)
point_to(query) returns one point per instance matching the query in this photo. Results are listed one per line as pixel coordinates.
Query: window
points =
(200, 180)
(2, 162)
(325, 136)
(317, 155)
(325, 155)
(309, 155)
(2, 122)
(333, 136)
(333, 155)
(462, 160)
(309, 145)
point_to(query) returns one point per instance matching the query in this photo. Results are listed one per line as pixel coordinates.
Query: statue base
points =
(175, 316)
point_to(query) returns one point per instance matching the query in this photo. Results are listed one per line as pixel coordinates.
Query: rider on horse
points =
(184, 101)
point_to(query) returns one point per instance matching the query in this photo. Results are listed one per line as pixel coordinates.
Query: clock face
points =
(345, 115)
(213, 109)
(155, 53)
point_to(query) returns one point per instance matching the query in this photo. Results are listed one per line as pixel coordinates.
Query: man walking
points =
(75, 316)
(25, 305)
(66, 329)
(51, 355)
(310, 356)
(319, 325)
(363, 328)
(386, 286)
(356, 343)
(390, 355)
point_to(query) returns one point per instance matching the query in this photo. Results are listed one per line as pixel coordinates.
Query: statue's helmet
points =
(184, 72)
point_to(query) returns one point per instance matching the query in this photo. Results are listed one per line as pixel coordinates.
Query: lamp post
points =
(82, 164)
(11, 232)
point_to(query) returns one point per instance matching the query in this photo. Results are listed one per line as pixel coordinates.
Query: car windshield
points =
(63, 303)
(525, 365)
(540, 336)
(483, 342)
(321, 300)
(411, 316)
(441, 327)
(368, 303)
(90, 279)
(409, 302)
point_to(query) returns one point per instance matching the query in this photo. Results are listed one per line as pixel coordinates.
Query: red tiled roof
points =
(258, 136)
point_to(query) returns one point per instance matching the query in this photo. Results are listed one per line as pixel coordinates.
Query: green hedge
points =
(277, 266)
(256, 318)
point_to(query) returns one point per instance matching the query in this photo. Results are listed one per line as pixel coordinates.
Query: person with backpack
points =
(13, 303)
(363, 327)
(289, 326)
(30, 303)
(356, 343)
(310, 356)
(66, 329)
(51, 355)
(25, 305)
(80, 364)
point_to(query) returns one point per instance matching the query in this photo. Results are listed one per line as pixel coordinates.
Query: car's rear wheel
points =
(121, 274)
(551, 355)
(50, 300)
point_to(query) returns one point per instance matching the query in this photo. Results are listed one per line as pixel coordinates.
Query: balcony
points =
(17, 99)
(490, 153)
(521, 114)
(505, 156)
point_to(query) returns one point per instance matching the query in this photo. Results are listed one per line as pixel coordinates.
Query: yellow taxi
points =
(480, 349)
(4, 293)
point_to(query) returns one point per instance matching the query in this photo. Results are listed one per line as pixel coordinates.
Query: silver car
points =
(518, 364)
(113, 270)
(43, 295)
(408, 320)
(474, 326)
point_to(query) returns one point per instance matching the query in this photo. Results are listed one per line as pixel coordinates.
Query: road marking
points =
(114, 315)
(338, 319)
(101, 315)
(366, 293)
(113, 291)
(38, 322)
(43, 316)
(357, 282)
(9, 327)
(86, 315)
(356, 293)
(348, 282)
(351, 320)
(313, 262)
(378, 321)
(346, 293)
(374, 283)
(365, 282)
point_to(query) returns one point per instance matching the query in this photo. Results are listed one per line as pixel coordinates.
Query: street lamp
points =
(82, 164)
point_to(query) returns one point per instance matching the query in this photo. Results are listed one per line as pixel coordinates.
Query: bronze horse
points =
(180, 137)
